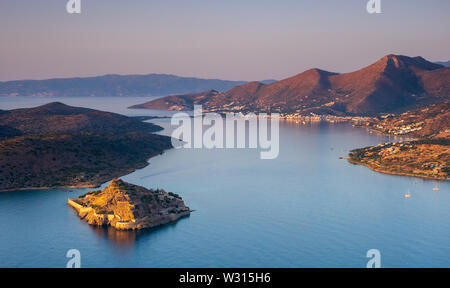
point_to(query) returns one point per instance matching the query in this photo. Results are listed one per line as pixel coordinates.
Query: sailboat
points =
(436, 188)
(408, 195)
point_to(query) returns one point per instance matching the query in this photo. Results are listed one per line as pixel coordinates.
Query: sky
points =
(227, 39)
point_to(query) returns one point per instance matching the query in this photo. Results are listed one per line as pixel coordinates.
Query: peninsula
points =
(56, 145)
(426, 156)
(428, 159)
(125, 206)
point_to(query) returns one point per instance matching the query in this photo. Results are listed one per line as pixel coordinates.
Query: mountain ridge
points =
(392, 83)
(444, 63)
(114, 85)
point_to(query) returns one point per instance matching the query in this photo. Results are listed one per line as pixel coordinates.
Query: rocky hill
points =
(181, 102)
(129, 207)
(114, 85)
(74, 160)
(393, 83)
(56, 145)
(57, 118)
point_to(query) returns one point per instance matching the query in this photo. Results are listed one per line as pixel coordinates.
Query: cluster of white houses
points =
(326, 118)
(401, 130)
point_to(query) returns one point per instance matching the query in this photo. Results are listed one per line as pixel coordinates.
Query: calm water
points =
(307, 208)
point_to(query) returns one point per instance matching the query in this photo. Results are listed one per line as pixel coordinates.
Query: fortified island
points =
(125, 206)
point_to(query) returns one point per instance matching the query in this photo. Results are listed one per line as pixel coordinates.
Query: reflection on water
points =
(125, 240)
(122, 239)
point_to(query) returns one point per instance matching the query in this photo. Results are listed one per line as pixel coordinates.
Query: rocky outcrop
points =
(126, 206)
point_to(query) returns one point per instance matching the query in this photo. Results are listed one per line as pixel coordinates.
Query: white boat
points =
(408, 194)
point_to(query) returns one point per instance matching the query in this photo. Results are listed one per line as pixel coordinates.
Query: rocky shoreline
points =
(125, 206)
(427, 159)
(380, 170)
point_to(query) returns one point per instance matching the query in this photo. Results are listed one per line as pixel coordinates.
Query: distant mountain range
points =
(393, 83)
(115, 85)
(446, 64)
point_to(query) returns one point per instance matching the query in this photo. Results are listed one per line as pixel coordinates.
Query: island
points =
(125, 206)
(56, 145)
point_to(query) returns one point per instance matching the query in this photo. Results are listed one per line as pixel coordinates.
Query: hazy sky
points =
(229, 39)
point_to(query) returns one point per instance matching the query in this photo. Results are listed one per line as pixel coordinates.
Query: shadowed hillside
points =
(446, 64)
(59, 118)
(56, 145)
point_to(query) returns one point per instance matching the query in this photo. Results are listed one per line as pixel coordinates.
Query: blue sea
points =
(307, 208)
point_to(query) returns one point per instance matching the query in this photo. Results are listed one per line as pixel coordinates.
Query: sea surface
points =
(307, 208)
